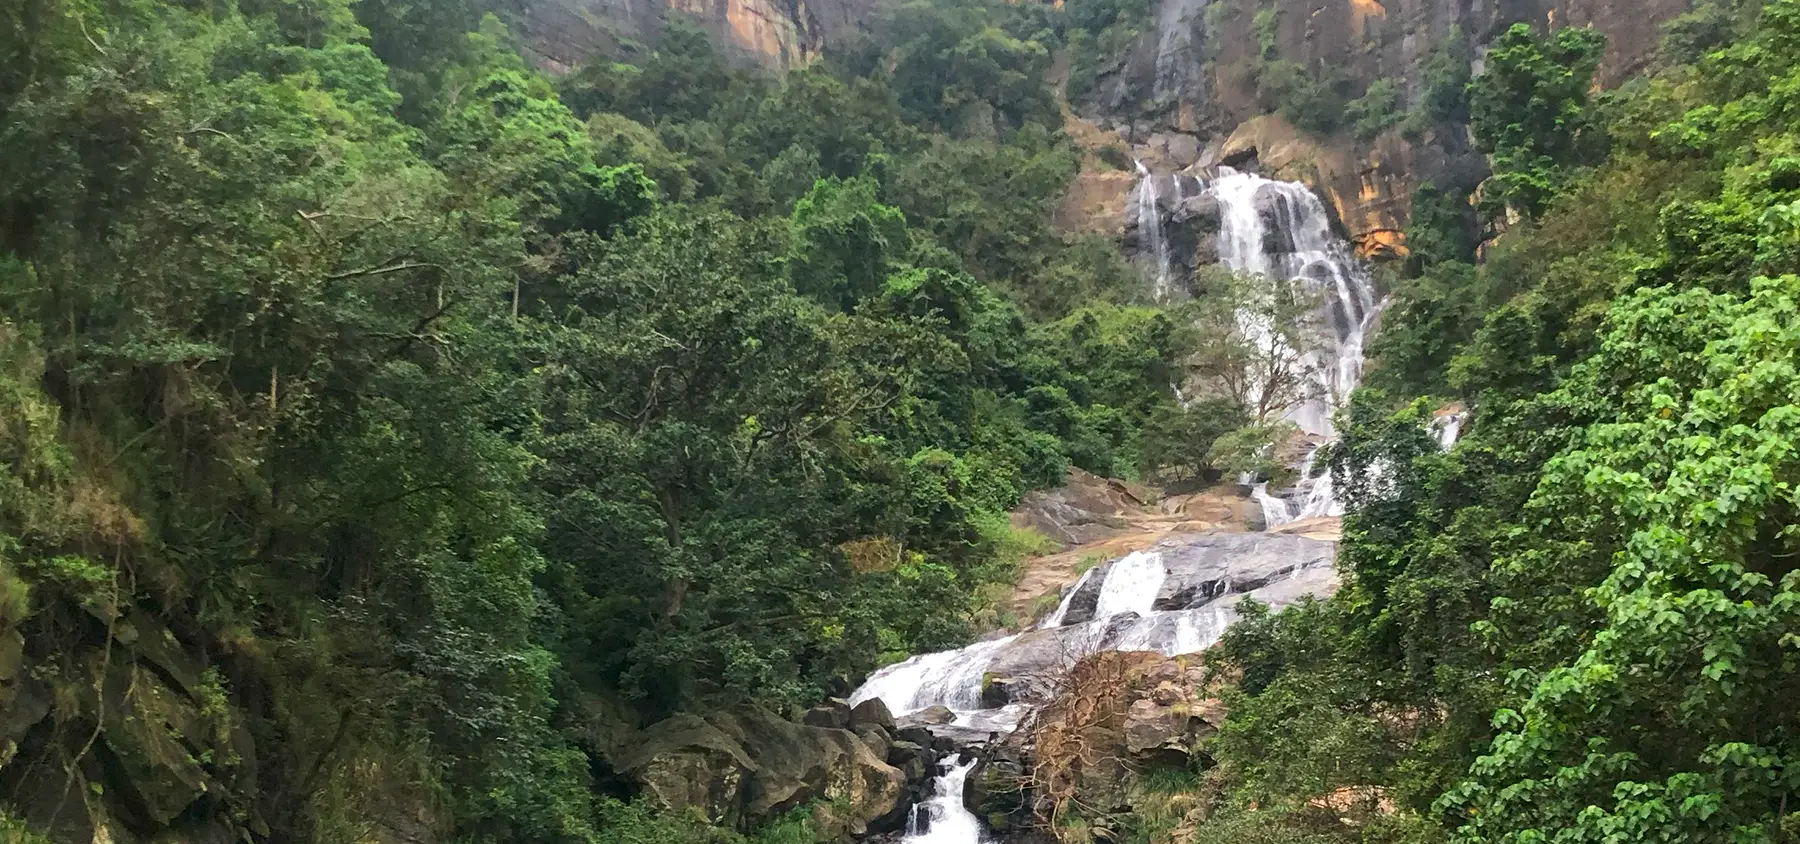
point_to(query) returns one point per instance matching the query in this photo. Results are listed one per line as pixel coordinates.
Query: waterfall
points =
(1275, 510)
(946, 820)
(945, 678)
(1281, 230)
(1276, 230)
(1131, 585)
(1447, 429)
(1125, 618)
(1150, 229)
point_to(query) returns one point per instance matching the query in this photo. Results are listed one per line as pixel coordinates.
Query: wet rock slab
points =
(1204, 568)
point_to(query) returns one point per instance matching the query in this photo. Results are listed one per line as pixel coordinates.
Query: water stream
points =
(942, 818)
(1280, 230)
(1131, 585)
(1124, 617)
(1150, 229)
(1055, 619)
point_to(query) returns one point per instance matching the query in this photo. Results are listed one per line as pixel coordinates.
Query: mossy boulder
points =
(995, 789)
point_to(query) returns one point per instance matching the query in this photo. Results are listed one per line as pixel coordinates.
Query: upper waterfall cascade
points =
(1150, 227)
(1280, 230)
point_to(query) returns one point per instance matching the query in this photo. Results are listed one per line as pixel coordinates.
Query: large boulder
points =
(1192, 229)
(877, 739)
(916, 733)
(797, 764)
(1158, 731)
(998, 691)
(871, 713)
(746, 767)
(684, 764)
(1085, 509)
(834, 714)
(933, 715)
(996, 790)
(1085, 599)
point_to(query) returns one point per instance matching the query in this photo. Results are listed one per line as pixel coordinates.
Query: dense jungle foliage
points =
(1582, 623)
(383, 422)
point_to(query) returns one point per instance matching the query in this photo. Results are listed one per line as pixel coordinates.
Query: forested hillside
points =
(387, 427)
(384, 423)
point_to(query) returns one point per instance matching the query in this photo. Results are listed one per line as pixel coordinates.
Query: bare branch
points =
(380, 270)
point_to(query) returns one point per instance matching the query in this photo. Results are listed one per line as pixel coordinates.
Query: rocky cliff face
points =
(1185, 91)
(1185, 94)
(779, 34)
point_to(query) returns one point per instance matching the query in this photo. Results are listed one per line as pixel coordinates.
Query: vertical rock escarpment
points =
(779, 34)
(1193, 70)
(1187, 91)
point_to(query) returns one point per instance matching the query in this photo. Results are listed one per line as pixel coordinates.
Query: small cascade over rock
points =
(1055, 618)
(1131, 585)
(1174, 598)
(1447, 427)
(943, 819)
(1150, 230)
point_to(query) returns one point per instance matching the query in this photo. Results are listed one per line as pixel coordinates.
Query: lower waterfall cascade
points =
(1124, 617)
(942, 818)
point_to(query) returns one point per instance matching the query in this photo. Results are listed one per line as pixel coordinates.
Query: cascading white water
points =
(1280, 230)
(946, 820)
(945, 678)
(1272, 229)
(1150, 229)
(1131, 585)
(953, 678)
(1447, 429)
(1176, 632)
(1128, 588)
(1275, 510)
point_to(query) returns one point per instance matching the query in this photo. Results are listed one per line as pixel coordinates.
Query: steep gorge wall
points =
(1368, 40)
(779, 34)
(1185, 91)
(1199, 104)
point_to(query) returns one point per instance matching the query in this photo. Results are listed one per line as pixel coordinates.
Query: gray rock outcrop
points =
(1206, 568)
(742, 768)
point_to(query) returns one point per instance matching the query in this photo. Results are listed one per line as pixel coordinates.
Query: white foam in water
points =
(946, 820)
(1176, 632)
(949, 678)
(1131, 585)
(1304, 250)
